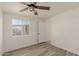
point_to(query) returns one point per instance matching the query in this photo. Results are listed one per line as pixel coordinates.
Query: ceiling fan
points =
(32, 6)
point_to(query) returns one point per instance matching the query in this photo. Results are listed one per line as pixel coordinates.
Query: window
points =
(20, 27)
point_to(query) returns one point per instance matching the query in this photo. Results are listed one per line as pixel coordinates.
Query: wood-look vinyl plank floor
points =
(42, 49)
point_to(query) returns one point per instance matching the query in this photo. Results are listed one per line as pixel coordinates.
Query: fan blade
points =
(24, 3)
(24, 9)
(35, 3)
(43, 7)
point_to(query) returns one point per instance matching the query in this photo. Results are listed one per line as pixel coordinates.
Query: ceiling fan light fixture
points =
(35, 12)
(32, 7)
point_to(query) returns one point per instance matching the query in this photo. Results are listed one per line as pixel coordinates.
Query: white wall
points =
(1, 31)
(14, 42)
(63, 30)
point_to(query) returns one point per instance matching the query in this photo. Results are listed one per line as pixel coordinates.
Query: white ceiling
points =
(56, 8)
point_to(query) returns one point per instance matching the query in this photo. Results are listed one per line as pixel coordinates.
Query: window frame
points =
(23, 25)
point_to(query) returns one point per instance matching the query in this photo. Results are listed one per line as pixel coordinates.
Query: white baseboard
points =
(64, 48)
